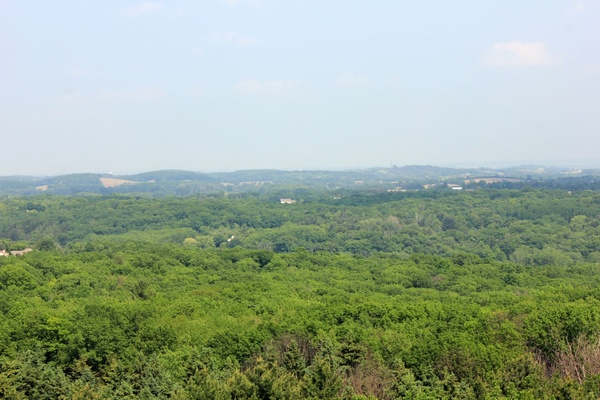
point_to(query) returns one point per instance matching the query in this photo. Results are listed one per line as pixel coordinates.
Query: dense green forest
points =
(346, 294)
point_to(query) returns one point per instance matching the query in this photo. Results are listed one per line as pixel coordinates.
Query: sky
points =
(223, 85)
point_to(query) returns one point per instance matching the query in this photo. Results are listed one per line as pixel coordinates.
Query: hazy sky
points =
(221, 85)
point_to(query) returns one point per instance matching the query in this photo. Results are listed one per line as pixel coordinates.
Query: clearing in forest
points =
(113, 182)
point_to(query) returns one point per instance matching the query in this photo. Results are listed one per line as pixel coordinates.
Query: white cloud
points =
(271, 87)
(143, 8)
(231, 38)
(517, 54)
(351, 81)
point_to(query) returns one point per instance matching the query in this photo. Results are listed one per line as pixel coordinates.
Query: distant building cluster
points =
(492, 180)
(5, 253)
(287, 201)
(396, 189)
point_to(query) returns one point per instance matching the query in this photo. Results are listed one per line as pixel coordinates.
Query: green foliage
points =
(487, 294)
(16, 275)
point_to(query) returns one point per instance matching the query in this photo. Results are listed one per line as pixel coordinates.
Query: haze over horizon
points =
(224, 85)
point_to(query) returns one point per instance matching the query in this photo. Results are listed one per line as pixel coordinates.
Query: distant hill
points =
(70, 184)
(411, 177)
(169, 176)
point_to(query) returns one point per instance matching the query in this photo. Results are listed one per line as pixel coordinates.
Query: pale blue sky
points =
(221, 85)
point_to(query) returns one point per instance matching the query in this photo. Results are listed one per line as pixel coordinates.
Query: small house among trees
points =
(20, 252)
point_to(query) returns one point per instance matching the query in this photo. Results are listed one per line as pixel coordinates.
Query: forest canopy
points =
(492, 293)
